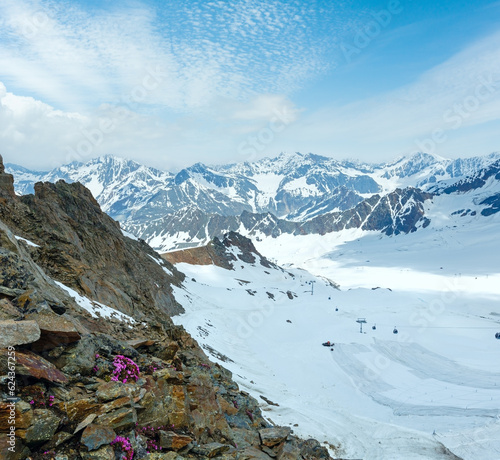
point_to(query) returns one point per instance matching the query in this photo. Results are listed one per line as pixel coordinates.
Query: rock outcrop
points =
(77, 384)
(6, 182)
(225, 253)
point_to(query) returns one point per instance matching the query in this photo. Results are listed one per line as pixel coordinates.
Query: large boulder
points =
(32, 365)
(45, 424)
(273, 436)
(55, 330)
(173, 441)
(13, 333)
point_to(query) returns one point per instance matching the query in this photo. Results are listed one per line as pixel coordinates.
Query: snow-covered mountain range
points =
(291, 194)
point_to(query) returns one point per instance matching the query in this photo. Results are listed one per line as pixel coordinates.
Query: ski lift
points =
(374, 327)
(497, 335)
(395, 330)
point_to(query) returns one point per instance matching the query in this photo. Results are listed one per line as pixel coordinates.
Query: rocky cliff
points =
(91, 365)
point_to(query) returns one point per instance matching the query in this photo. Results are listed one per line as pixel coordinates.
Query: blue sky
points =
(172, 83)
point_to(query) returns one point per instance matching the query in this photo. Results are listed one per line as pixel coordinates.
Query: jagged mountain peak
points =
(206, 200)
(423, 158)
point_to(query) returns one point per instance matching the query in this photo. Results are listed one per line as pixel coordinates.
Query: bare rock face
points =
(6, 182)
(84, 249)
(221, 253)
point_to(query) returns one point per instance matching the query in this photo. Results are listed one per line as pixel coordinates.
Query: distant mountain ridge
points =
(292, 193)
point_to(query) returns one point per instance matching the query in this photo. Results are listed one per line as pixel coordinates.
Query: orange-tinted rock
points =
(170, 376)
(206, 410)
(227, 407)
(273, 436)
(169, 350)
(173, 441)
(20, 410)
(79, 409)
(116, 404)
(176, 405)
(140, 343)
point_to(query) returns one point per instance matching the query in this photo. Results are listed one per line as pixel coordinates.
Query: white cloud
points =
(36, 135)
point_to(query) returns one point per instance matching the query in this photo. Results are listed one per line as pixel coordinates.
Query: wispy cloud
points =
(69, 55)
(465, 87)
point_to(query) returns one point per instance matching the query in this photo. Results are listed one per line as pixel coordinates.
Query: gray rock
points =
(272, 436)
(119, 419)
(289, 452)
(45, 424)
(212, 449)
(104, 453)
(95, 436)
(112, 390)
(14, 333)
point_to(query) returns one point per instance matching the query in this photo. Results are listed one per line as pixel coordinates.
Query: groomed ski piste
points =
(432, 388)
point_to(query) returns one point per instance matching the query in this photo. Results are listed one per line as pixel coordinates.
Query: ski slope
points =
(377, 395)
